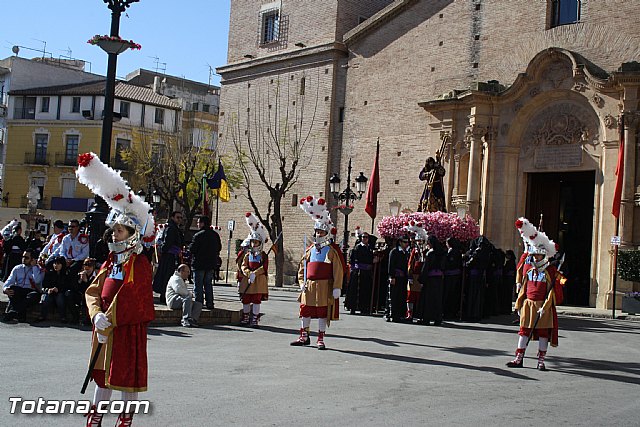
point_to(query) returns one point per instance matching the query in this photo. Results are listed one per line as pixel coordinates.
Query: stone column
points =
(473, 136)
(628, 180)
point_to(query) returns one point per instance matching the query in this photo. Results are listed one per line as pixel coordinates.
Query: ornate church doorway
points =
(566, 200)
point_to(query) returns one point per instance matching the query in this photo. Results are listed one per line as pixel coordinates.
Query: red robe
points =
(124, 356)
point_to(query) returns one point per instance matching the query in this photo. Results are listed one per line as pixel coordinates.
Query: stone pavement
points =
(374, 373)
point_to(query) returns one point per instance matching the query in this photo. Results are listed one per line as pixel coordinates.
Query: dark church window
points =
(564, 12)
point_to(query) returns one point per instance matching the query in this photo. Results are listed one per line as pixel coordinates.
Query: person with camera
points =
(77, 288)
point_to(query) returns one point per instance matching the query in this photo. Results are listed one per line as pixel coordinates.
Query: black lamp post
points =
(345, 200)
(98, 212)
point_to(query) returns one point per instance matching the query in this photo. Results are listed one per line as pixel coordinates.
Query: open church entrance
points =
(566, 201)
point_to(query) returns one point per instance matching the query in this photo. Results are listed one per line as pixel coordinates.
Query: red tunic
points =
(128, 304)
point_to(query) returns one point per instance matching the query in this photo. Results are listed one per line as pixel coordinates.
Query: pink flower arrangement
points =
(440, 224)
(98, 38)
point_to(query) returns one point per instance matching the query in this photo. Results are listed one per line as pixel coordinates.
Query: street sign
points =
(231, 225)
(615, 240)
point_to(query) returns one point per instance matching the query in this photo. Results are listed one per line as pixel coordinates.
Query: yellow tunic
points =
(261, 284)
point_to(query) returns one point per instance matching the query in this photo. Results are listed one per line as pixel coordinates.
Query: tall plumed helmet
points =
(257, 230)
(127, 208)
(536, 242)
(318, 212)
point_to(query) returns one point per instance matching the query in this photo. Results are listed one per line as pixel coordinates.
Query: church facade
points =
(522, 100)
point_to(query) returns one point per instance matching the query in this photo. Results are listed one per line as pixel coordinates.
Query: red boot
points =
(517, 362)
(255, 320)
(94, 419)
(124, 420)
(303, 339)
(321, 345)
(541, 355)
(245, 319)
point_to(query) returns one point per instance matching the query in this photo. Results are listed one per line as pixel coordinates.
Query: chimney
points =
(156, 85)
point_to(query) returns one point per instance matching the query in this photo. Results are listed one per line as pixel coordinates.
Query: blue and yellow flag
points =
(218, 183)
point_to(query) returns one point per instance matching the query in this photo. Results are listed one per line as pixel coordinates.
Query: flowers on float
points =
(440, 224)
(98, 38)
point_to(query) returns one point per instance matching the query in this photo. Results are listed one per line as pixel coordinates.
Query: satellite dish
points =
(15, 49)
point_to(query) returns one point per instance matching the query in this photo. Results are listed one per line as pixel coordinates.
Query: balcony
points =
(63, 160)
(36, 159)
(42, 203)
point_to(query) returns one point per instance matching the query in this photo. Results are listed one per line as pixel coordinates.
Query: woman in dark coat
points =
(452, 278)
(54, 287)
(430, 307)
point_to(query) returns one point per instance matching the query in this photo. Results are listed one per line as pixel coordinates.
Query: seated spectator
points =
(77, 288)
(54, 287)
(49, 250)
(23, 287)
(178, 296)
(74, 247)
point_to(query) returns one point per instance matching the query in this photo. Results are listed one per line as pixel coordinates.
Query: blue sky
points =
(187, 35)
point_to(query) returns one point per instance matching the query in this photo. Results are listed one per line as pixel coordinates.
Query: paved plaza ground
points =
(374, 373)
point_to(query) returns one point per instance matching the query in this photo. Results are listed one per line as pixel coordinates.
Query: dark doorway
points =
(566, 201)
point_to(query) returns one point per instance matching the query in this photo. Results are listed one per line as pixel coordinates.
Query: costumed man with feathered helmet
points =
(255, 268)
(320, 274)
(120, 299)
(416, 258)
(537, 297)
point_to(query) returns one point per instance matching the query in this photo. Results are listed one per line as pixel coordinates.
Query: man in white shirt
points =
(179, 296)
(23, 287)
(75, 248)
(54, 242)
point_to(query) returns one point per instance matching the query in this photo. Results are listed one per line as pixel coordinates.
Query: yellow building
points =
(48, 127)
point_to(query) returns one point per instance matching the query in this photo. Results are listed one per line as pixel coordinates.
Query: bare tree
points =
(173, 163)
(273, 144)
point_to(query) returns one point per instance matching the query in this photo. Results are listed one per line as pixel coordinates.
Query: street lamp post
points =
(98, 212)
(345, 200)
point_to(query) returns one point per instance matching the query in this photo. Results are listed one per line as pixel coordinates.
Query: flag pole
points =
(615, 272)
(217, 200)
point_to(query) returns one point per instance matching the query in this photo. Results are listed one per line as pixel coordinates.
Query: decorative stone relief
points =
(517, 106)
(610, 122)
(558, 136)
(579, 87)
(597, 99)
(557, 73)
(534, 91)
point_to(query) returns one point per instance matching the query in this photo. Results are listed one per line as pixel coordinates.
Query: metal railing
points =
(63, 160)
(37, 158)
(42, 203)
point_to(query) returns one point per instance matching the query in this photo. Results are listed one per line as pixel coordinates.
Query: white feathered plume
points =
(532, 237)
(256, 227)
(108, 184)
(418, 230)
(318, 212)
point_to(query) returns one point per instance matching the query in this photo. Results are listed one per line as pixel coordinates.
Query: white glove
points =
(518, 311)
(541, 311)
(101, 322)
(303, 287)
(410, 282)
(336, 293)
(101, 338)
(252, 277)
(518, 286)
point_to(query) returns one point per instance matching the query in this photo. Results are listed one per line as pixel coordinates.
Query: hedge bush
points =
(629, 264)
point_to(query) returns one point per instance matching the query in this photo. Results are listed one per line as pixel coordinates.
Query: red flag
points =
(374, 186)
(617, 194)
